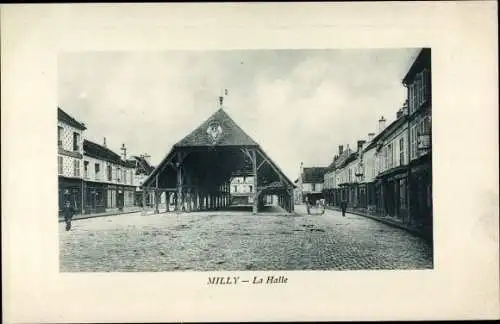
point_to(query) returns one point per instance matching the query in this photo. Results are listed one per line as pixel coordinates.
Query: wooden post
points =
(157, 211)
(255, 192)
(144, 200)
(179, 183)
(167, 201)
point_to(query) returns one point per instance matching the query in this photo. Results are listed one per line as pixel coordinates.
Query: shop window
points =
(402, 193)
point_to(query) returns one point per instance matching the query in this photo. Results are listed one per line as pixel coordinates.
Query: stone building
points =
(241, 190)
(69, 159)
(310, 184)
(418, 81)
(109, 179)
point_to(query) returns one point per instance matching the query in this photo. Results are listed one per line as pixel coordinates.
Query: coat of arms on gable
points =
(214, 131)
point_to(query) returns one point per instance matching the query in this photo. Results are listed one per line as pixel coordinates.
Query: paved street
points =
(236, 240)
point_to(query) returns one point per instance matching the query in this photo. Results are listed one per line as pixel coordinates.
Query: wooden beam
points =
(247, 153)
(272, 166)
(261, 164)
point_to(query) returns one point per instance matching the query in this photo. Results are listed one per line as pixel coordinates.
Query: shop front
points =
(95, 197)
(70, 188)
(421, 192)
(393, 193)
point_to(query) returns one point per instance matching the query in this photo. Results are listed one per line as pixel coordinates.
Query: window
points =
(235, 188)
(60, 164)
(413, 145)
(401, 151)
(250, 188)
(117, 174)
(76, 141)
(420, 90)
(109, 173)
(59, 136)
(313, 187)
(389, 156)
(76, 168)
(97, 168)
(131, 177)
(86, 169)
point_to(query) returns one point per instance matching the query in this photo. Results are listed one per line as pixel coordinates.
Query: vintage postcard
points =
(215, 163)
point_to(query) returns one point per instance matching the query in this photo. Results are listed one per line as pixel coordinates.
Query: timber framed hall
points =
(196, 174)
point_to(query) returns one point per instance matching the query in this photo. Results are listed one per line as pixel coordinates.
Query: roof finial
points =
(221, 98)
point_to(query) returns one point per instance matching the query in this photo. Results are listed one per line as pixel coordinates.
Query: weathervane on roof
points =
(221, 98)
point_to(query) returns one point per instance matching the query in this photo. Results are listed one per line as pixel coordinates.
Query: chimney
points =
(405, 107)
(124, 150)
(381, 124)
(104, 142)
(371, 136)
(146, 157)
(360, 144)
(341, 149)
(301, 167)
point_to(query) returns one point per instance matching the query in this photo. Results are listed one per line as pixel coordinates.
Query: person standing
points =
(322, 205)
(67, 210)
(343, 207)
(308, 206)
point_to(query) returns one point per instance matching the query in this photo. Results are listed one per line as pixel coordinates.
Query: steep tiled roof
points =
(227, 134)
(64, 117)
(423, 60)
(143, 166)
(230, 134)
(100, 152)
(313, 175)
(386, 132)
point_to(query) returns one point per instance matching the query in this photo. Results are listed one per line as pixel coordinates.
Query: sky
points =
(299, 105)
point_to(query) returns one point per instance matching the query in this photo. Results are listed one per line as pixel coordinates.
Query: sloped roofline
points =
(65, 117)
(178, 146)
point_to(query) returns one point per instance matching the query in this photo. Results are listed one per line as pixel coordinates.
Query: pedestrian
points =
(322, 204)
(68, 210)
(308, 206)
(343, 207)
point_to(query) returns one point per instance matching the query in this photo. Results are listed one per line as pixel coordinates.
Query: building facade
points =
(310, 184)
(391, 173)
(143, 169)
(392, 159)
(418, 82)
(109, 180)
(241, 190)
(70, 134)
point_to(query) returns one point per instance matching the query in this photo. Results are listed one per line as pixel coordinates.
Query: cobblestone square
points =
(232, 241)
